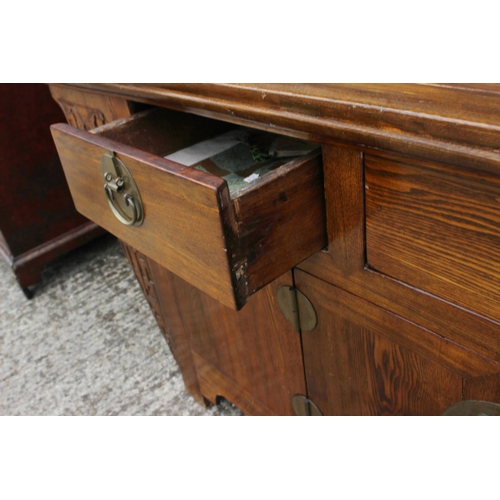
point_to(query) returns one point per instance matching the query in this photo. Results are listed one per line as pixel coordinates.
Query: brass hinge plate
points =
(304, 407)
(297, 309)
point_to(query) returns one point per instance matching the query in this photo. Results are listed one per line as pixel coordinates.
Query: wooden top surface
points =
(455, 123)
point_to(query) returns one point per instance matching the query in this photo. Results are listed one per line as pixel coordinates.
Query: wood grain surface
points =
(436, 228)
(453, 124)
(362, 360)
(251, 357)
(88, 110)
(404, 299)
(174, 334)
(485, 388)
(180, 205)
(449, 354)
(345, 213)
(412, 324)
(440, 316)
(280, 221)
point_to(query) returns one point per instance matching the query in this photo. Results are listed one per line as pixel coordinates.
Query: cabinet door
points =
(252, 358)
(363, 360)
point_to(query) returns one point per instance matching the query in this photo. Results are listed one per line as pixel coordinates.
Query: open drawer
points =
(227, 239)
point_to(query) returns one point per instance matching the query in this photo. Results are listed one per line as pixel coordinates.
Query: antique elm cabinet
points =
(359, 274)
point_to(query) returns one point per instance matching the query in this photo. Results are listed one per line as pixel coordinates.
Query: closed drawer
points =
(436, 227)
(229, 240)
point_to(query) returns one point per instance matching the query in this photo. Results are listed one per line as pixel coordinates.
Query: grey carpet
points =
(87, 343)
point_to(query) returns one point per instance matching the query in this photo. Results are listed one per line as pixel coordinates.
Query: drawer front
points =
(437, 228)
(229, 248)
(182, 227)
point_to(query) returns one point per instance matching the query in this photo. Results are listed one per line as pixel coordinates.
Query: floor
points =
(87, 343)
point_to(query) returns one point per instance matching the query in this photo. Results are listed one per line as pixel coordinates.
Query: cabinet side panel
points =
(157, 288)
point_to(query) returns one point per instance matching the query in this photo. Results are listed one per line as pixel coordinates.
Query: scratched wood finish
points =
(229, 248)
(454, 124)
(436, 228)
(281, 221)
(362, 360)
(252, 357)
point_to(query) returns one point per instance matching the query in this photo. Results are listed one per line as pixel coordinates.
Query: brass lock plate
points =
(121, 191)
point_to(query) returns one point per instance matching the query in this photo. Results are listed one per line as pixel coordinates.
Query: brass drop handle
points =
(121, 191)
(129, 201)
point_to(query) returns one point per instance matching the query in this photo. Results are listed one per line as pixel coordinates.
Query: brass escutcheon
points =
(121, 191)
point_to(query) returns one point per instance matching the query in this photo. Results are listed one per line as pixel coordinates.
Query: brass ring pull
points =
(121, 191)
(129, 202)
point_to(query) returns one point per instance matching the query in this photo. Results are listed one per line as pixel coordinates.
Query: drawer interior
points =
(241, 156)
(226, 208)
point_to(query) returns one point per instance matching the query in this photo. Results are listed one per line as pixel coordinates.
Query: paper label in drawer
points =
(201, 151)
(251, 178)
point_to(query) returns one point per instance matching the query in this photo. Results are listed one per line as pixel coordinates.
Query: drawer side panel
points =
(282, 221)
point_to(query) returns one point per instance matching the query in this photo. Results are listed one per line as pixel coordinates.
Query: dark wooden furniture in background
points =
(397, 253)
(38, 220)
